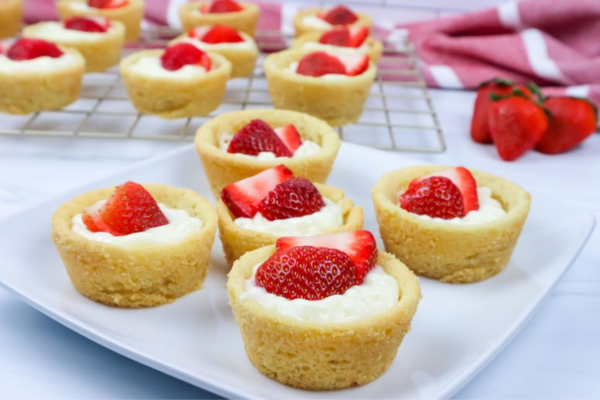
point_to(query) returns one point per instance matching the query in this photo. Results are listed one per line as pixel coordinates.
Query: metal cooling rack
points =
(398, 114)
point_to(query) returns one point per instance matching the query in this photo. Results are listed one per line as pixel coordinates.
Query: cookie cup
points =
(322, 356)
(443, 251)
(129, 15)
(242, 59)
(237, 240)
(374, 46)
(26, 91)
(223, 168)
(176, 97)
(101, 51)
(244, 20)
(301, 28)
(338, 101)
(141, 276)
(11, 17)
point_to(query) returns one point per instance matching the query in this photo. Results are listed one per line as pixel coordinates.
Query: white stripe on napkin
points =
(537, 55)
(445, 77)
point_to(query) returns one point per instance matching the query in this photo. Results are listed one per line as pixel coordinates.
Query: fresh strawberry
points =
(464, 181)
(242, 197)
(480, 132)
(355, 64)
(222, 34)
(28, 49)
(107, 3)
(436, 196)
(360, 246)
(517, 124)
(336, 37)
(222, 6)
(257, 137)
(295, 197)
(339, 15)
(182, 54)
(572, 120)
(320, 63)
(88, 24)
(307, 272)
(358, 35)
(289, 136)
(130, 209)
(198, 32)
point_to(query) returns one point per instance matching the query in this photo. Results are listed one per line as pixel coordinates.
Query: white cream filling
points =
(363, 48)
(307, 148)
(326, 219)
(245, 45)
(55, 31)
(378, 293)
(37, 65)
(151, 67)
(312, 21)
(180, 226)
(293, 68)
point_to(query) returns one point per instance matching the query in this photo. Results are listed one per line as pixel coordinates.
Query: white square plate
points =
(456, 331)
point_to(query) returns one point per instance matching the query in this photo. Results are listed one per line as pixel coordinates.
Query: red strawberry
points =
(464, 181)
(437, 197)
(289, 136)
(572, 120)
(355, 64)
(480, 132)
(320, 63)
(336, 37)
(88, 24)
(222, 34)
(340, 15)
(242, 197)
(130, 209)
(223, 6)
(257, 137)
(358, 35)
(295, 197)
(307, 272)
(360, 246)
(28, 49)
(517, 124)
(182, 54)
(107, 3)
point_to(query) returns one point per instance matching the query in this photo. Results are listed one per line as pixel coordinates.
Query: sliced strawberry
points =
(107, 3)
(293, 198)
(223, 6)
(28, 49)
(289, 136)
(257, 137)
(360, 246)
(89, 222)
(358, 35)
(336, 37)
(182, 54)
(88, 24)
(222, 34)
(320, 63)
(307, 272)
(340, 15)
(242, 197)
(198, 31)
(464, 181)
(354, 64)
(436, 196)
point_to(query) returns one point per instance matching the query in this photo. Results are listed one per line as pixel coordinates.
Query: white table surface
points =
(555, 356)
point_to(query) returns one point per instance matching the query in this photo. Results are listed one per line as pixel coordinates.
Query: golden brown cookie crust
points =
(223, 168)
(237, 241)
(375, 46)
(336, 101)
(320, 356)
(100, 54)
(11, 17)
(301, 28)
(137, 277)
(176, 98)
(447, 252)
(244, 20)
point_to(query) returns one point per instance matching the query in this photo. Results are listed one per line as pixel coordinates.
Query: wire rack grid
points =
(398, 114)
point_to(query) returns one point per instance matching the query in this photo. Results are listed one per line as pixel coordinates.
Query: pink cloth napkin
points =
(553, 43)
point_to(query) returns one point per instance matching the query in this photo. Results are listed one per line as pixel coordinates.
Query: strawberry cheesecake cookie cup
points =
(324, 19)
(331, 86)
(241, 16)
(36, 75)
(179, 82)
(98, 39)
(324, 312)
(122, 248)
(128, 12)
(241, 144)
(255, 211)
(237, 47)
(450, 224)
(11, 17)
